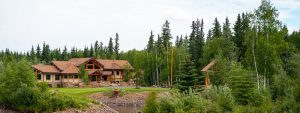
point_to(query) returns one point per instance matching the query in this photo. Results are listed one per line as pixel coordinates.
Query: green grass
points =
(88, 91)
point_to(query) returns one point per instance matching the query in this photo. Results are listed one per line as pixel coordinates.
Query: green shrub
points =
(151, 104)
(221, 99)
(182, 103)
(20, 91)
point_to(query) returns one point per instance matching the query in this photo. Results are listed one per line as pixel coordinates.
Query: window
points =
(76, 76)
(118, 73)
(57, 77)
(97, 67)
(66, 76)
(39, 76)
(48, 76)
(89, 66)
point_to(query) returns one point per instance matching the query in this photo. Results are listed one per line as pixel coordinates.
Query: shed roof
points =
(207, 67)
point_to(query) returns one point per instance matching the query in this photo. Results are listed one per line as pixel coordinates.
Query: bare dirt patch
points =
(129, 99)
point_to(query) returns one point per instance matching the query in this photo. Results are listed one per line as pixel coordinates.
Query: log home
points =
(64, 73)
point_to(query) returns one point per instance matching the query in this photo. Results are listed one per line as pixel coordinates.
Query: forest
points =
(257, 69)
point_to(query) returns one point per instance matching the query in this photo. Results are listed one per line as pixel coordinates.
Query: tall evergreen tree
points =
(117, 48)
(209, 35)
(38, 52)
(101, 50)
(73, 52)
(166, 35)
(86, 52)
(92, 52)
(177, 41)
(180, 42)
(196, 42)
(150, 45)
(238, 38)
(110, 48)
(32, 54)
(159, 45)
(65, 54)
(46, 53)
(96, 48)
(43, 57)
(226, 30)
(216, 31)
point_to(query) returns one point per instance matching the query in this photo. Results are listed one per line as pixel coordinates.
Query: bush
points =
(221, 99)
(182, 103)
(242, 84)
(20, 91)
(151, 104)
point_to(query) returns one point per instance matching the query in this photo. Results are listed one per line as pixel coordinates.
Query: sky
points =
(79, 23)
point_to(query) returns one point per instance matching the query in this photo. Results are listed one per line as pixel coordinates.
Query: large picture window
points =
(48, 76)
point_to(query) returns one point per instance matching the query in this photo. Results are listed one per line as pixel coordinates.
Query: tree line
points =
(257, 58)
(258, 41)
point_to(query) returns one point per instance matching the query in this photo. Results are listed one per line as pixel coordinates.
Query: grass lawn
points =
(88, 91)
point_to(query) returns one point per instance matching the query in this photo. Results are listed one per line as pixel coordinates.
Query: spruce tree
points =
(150, 45)
(166, 35)
(96, 48)
(73, 52)
(43, 57)
(85, 52)
(209, 35)
(159, 46)
(177, 41)
(32, 54)
(226, 30)
(117, 48)
(188, 76)
(65, 54)
(92, 51)
(242, 84)
(196, 42)
(216, 31)
(238, 37)
(110, 48)
(180, 42)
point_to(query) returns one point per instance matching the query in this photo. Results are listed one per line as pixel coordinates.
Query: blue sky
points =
(24, 23)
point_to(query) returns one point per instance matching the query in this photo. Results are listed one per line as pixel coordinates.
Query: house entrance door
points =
(94, 78)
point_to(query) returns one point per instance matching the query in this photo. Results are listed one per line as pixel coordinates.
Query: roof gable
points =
(71, 69)
(115, 64)
(62, 65)
(79, 61)
(45, 68)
